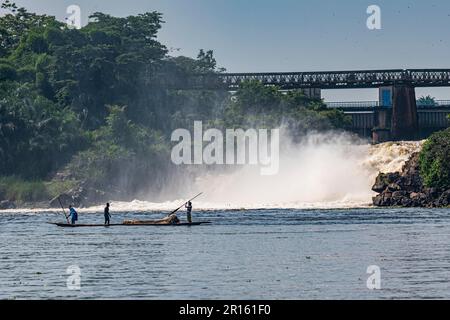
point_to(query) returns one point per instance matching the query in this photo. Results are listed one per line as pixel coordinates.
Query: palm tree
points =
(427, 101)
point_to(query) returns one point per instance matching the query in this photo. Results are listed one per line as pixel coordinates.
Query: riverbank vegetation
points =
(18, 190)
(435, 161)
(95, 107)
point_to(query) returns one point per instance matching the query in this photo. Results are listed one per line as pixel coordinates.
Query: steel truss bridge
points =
(326, 80)
(405, 119)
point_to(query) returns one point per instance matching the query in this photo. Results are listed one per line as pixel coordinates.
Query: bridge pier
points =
(399, 122)
(404, 123)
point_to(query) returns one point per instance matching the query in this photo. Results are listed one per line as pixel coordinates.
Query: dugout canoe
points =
(66, 225)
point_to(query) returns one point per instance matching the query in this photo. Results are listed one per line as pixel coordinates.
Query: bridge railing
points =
(435, 103)
(375, 104)
(353, 104)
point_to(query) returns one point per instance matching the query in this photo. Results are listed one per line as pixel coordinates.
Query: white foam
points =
(325, 171)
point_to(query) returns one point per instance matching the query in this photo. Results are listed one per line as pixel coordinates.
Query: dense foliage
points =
(95, 104)
(435, 160)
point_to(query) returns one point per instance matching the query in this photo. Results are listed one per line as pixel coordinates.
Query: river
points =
(243, 254)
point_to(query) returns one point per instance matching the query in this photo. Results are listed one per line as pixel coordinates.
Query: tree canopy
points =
(435, 160)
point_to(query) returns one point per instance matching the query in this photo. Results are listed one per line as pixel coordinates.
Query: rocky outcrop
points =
(406, 189)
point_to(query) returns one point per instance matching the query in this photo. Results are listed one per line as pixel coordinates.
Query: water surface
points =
(254, 254)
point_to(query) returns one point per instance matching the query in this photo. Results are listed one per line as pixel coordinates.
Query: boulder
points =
(400, 194)
(444, 199)
(432, 192)
(407, 202)
(378, 201)
(384, 180)
(418, 199)
(393, 187)
(382, 200)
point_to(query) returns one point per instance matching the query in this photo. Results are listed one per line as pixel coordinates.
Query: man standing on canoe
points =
(73, 214)
(107, 215)
(189, 211)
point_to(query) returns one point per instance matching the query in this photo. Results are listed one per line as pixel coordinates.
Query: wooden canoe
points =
(66, 225)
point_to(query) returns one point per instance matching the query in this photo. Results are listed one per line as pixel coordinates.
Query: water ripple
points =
(252, 254)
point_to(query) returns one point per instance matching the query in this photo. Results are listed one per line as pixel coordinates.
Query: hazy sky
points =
(294, 35)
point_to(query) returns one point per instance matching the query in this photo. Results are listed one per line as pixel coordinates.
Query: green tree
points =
(36, 137)
(435, 160)
(18, 22)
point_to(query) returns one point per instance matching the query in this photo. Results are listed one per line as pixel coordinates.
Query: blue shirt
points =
(74, 214)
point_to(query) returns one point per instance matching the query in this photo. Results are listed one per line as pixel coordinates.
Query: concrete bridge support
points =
(404, 123)
(398, 121)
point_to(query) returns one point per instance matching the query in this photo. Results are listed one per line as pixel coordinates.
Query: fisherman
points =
(189, 211)
(73, 214)
(107, 215)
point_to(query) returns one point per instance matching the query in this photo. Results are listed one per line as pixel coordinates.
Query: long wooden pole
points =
(174, 211)
(64, 211)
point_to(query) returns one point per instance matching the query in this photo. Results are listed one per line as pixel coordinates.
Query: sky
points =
(293, 35)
